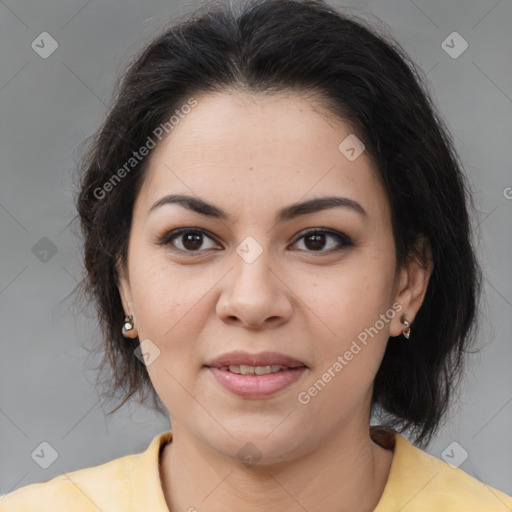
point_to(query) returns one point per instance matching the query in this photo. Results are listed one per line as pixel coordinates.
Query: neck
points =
(347, 473)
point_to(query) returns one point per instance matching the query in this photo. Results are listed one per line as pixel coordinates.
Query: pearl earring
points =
(406, 331)
(128, 324)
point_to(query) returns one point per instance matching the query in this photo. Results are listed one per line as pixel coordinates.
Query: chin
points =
(261, 447)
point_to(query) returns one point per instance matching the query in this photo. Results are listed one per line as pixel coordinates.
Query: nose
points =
(254, 295)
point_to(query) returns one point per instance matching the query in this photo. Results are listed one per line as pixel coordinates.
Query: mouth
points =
(257, 375)
(244, 369)
(261, 364)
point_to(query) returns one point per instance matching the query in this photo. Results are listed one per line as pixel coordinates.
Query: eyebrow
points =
(285, 214)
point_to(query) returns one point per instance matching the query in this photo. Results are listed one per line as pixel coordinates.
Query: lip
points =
(261, 359)
(257, 386)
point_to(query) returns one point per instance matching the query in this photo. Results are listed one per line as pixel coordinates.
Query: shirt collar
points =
(147, 492)
(146, 487)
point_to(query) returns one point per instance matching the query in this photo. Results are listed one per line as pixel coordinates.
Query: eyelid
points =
(329, 231)
(168, 236)
(344, 240)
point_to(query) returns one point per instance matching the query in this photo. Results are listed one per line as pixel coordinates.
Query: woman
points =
(278, 242)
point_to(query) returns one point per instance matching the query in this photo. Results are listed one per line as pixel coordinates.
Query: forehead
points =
(260, 152)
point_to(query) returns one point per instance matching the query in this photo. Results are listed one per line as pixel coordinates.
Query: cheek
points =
(349, 353)
(172, 306)
(354, 306)
(163, 291)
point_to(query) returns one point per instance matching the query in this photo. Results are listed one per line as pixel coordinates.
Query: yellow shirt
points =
(417, 482)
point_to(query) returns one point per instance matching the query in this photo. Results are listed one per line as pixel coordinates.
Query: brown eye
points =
(187, 240)
(317, 240)
(192, 241)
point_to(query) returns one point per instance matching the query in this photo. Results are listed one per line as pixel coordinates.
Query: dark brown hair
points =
(267, 46)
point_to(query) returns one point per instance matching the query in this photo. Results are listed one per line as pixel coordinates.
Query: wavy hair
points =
(362, 76)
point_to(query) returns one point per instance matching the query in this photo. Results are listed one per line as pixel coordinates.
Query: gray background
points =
(48, 106)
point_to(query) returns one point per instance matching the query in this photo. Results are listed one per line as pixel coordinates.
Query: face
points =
(319, 286)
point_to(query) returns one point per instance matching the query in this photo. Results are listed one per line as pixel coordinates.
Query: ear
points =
(413, 283)
(124, 287)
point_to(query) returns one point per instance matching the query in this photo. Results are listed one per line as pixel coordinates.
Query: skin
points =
(251, 156)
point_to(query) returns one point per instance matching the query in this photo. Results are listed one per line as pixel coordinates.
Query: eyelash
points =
(343, 239)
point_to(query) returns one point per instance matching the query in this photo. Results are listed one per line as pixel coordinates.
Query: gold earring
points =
(406, 331)
(128, 324)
